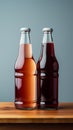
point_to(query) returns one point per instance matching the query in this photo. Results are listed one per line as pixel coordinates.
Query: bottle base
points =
(47, 106)
(25, 106)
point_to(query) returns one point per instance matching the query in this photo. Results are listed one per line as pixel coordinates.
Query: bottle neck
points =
(50, 49)
(25, 38)
(25, 47)
(48, 45)
(47, 38)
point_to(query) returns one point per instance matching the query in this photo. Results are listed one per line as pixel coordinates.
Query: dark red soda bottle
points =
(47, 73)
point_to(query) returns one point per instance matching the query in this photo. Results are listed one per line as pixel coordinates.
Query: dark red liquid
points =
(47, 78)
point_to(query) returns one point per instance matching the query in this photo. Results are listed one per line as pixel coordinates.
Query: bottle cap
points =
(47, 29)
(25, 29)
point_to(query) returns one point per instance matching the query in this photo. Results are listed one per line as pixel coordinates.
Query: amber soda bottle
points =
(47, 73)
(25, 74)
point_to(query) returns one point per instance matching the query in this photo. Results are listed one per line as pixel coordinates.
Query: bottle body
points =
(25, 78)
(47, 78)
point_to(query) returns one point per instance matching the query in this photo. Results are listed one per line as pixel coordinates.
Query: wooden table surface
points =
(8, 114)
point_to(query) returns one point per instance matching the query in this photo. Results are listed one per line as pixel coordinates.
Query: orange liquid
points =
(25, 79)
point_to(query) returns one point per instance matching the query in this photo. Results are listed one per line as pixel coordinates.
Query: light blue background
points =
(36, 14)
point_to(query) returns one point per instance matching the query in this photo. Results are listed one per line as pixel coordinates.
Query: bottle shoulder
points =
(50, 64)
(28, 65)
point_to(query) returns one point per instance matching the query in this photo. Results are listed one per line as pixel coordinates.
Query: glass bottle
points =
(25, 74)
(47, 73)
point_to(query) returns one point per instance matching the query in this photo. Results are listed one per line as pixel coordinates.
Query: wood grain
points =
(9, 114)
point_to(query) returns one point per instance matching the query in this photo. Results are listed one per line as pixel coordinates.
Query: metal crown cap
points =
(25, 29)
(47, 29)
